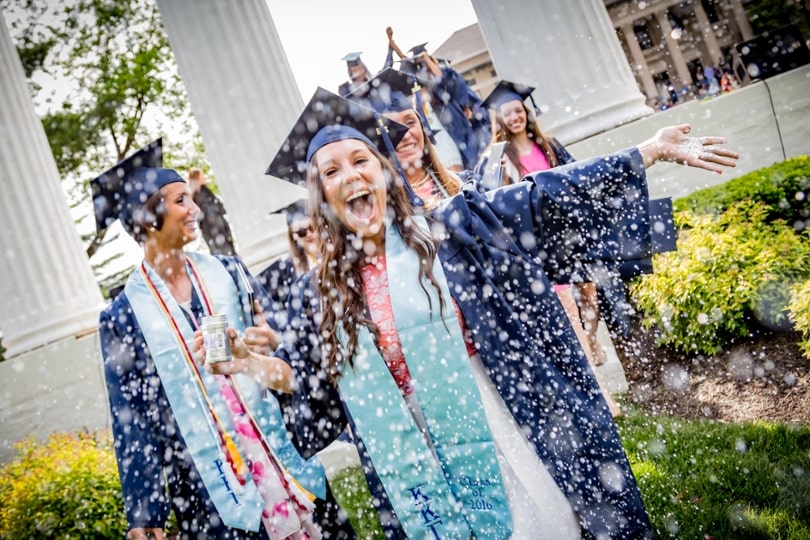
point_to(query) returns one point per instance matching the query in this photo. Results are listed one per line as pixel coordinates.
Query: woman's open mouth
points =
(361, 205)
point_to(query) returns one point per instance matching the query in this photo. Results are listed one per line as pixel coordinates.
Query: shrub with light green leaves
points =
(67, 487)
(784, 188)
(707, 293)
(799, 309)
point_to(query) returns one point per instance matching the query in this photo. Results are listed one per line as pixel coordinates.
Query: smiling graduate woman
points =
(431, 334)
(213, 449)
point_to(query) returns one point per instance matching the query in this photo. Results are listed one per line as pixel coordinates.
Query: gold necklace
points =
(422, 182)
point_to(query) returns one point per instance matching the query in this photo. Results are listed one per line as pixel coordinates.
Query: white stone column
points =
(673, 48)
(47, 288)
(570, 53)
(641, 68)
(741, 18)
(245, 100)
(706, 30)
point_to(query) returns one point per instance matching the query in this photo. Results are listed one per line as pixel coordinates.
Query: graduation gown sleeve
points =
(320, 417)
(136, 414)
(498, 250)
(571, 220)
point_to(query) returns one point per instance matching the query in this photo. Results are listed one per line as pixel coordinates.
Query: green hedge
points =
(728, 271)
(784, 188)
(799, 309)
(742, 256)
(65, 488)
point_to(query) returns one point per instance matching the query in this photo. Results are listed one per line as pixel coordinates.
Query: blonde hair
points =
(448, 182)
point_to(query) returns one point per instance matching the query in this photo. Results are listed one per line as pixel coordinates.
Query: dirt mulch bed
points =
(764, 377)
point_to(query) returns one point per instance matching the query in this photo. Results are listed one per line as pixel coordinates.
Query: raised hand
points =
(673, 143)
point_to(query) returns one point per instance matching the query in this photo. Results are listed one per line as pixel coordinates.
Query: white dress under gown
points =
(539, 509)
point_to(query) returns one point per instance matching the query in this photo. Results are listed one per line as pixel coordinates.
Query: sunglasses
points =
(303, 233)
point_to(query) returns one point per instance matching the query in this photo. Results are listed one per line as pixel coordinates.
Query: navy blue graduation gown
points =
(148, 442)
(451, 95)
(277, 279)
(156, 470)
(500, 251)
(612, 294)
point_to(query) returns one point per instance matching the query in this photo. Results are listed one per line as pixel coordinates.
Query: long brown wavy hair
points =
(339, 280)
(502, 133)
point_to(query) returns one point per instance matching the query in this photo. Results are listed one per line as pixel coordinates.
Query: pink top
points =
(534, 160)
(425, 191)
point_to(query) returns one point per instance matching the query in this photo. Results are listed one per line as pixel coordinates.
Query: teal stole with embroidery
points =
(239, 505)
(460, 495)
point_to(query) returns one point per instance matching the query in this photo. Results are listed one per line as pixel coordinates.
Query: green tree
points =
(103, 72)
(767, 15)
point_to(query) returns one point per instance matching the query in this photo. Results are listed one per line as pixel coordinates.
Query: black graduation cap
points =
(353, 59)
(293, 211)
(328, 118)
(390, 91)
(507, 91)
(416, 50)
(119, 192)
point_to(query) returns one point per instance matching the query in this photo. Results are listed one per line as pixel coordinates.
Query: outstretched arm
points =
(673, 143)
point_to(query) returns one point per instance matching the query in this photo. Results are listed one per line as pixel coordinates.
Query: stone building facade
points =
(665, 42)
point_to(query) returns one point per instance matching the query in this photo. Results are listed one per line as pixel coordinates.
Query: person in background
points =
(527, 149)
(458, 107)
(358, 73)
(434, 335)
(304, 244)
(211, 448)
(213, 222)
(389, 93)
(445, 147)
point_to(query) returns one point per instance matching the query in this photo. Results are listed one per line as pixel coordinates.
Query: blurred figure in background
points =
(279, 277)
(213, 222)
(459, 109)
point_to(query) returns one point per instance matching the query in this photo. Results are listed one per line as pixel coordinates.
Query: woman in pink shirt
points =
(526, 150)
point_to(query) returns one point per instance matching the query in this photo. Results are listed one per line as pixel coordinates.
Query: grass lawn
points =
(700, 480)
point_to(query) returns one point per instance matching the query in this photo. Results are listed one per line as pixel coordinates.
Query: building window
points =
(710, 7)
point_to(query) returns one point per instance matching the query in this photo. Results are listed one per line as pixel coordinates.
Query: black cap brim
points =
(507, 91)
(326, 110)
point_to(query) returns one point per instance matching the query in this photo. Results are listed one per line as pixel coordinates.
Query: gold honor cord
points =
(235, 458)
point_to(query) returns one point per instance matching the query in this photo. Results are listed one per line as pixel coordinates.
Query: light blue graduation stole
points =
(462, 494)
(240, 506)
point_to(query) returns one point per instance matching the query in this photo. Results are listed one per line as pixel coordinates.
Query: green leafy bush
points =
(705, 294)
(799, 309)
(784, 188)
(65, 488)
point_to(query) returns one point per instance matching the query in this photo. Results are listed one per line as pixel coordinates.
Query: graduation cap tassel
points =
(381, 129)
(536, 108)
